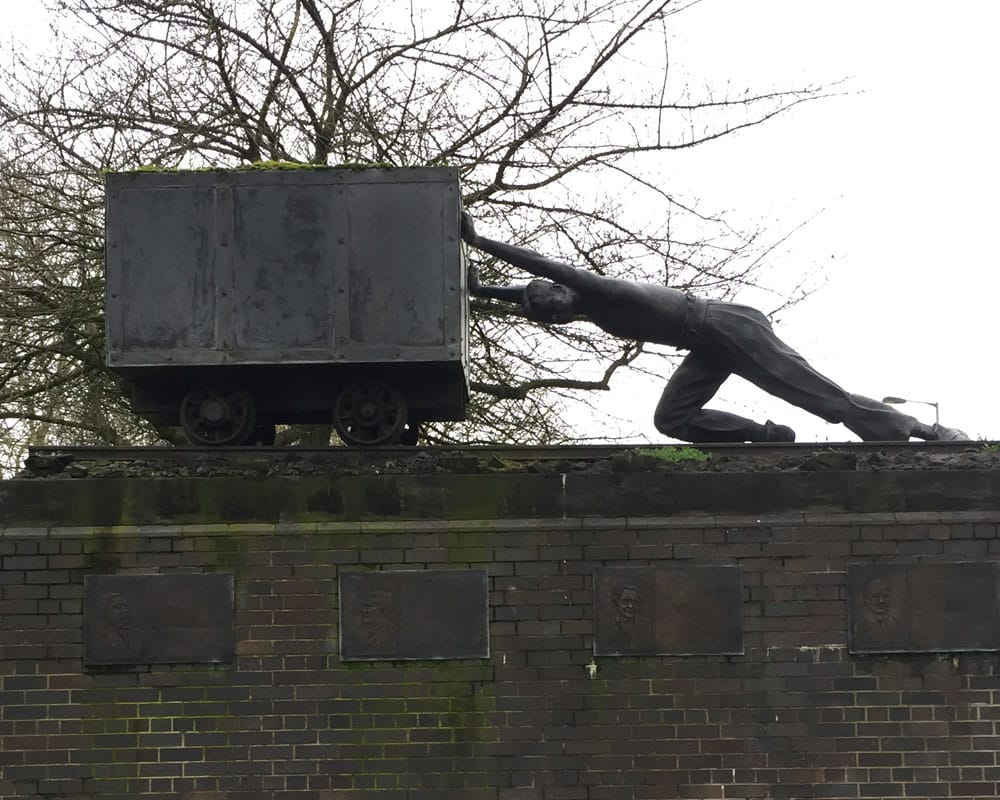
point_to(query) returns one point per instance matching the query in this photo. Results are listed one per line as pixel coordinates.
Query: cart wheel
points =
(218, 414)
(369, 413)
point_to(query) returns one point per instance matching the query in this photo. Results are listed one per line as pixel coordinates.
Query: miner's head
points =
(545, 301)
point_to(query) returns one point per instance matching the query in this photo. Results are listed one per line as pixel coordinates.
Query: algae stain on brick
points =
(381, 498)
(477, 497)
(102, 552)
(468, 547)
(473, 709)
(228, 554)
(115, 726)
(469, 701)
(129, 727)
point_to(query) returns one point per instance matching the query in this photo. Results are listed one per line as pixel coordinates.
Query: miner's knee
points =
(670, 423)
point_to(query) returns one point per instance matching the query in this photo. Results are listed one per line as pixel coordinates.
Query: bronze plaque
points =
(923, 608)
(158, 619)
(427, 614)
(683, 610)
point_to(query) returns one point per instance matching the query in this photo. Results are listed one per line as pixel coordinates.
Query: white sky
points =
(905, 165)
(907, 168)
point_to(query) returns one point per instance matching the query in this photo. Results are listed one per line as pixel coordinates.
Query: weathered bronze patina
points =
(158, 619)
(723, 339)
(432, 614)
(689, 610)
(923, 608)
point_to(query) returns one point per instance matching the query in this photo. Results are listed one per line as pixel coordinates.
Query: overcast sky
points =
(903, 168)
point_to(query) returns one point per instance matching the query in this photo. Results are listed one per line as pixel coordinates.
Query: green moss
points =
(674, 455)
(257, 165)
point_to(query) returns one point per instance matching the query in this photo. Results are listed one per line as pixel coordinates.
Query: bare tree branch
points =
(540, 105)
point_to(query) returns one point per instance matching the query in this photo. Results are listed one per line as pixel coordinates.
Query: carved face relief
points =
(876, 597)
(627, 600)
(881, 606)
(378, 612)
(116, 622)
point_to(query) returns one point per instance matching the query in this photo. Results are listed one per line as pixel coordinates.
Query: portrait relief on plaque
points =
(667, 610)
(627, 600)
(631, 618)
(378, 619)
(116, 627)
(414, 614)
(880, 609)
(881, 606)
(158, 619)
(923, 607)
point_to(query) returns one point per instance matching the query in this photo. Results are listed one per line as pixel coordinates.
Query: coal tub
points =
(238, 300)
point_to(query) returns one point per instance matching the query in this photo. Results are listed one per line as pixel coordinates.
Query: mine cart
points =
(241, 299)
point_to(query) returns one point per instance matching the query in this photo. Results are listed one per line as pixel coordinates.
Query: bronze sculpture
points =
(722, 339)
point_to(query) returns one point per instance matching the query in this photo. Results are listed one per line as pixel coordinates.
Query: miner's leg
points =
(874, 418)
(874, 421)
(767, 362)
(680, 415)
(938, 432)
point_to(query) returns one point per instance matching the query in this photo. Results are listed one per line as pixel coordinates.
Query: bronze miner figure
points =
(722, 338)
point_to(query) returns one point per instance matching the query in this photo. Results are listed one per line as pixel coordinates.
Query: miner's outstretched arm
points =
(511, 294)
(529, 260)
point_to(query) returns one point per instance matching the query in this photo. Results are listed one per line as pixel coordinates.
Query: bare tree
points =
(551, 109)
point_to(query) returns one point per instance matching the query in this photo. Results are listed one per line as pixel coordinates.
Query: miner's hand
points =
(469, 234)
(475, 287)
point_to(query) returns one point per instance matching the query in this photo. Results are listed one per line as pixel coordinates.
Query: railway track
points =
(51, 461)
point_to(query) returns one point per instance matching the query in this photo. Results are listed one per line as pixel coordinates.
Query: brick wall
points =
(796, 716)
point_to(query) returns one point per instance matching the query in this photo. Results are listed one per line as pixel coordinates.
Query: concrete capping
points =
(766, 498)
(33, 532)
(334, 527)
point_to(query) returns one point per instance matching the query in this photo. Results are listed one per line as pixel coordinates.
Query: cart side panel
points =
(404, 270)
(285, 240)
(276, 267)
(165, 259)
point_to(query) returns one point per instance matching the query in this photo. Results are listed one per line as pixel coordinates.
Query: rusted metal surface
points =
(158, 619)
(923, 607)
(683, 610)
(432, 614)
